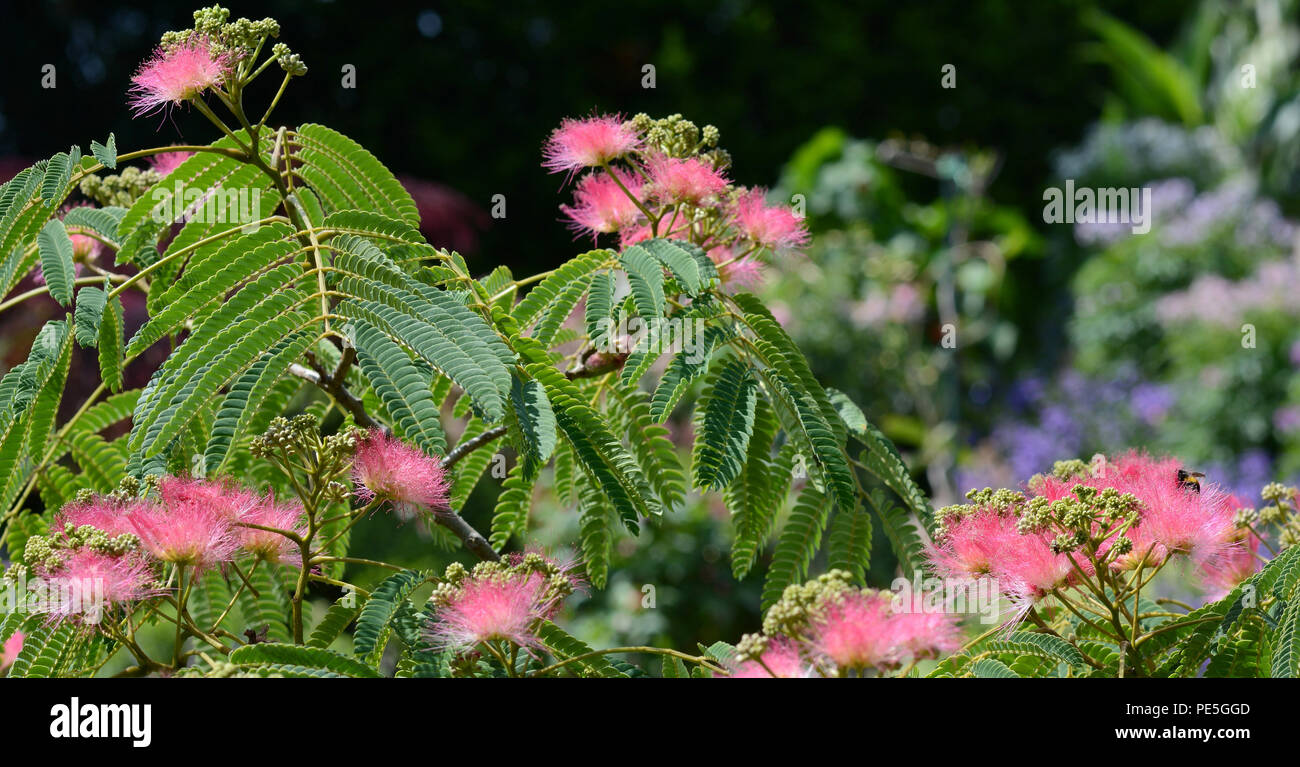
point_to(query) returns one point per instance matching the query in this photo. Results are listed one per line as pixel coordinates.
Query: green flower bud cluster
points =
(288, 61)
(239, 37)
(122, 189)
(800, 604)
(676, 136)
(1281, 512)
(750, 647)
(51, 550)
(1071, 469)
(128, 489)
(1002, 501)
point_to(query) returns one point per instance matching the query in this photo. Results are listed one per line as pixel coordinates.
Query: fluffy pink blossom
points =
(631, 235)
(771, 226)
(178, 74)
(89, 581)
(12, 646)
(187, 531)
(100, 513)
(856, 632)
(1174, 519)
(386, 468)
(166, 162)
(987, 544)
(499, 607)
(600, 204)
(688, 180)
(780, 659)
(266, 545)
(926, 634)
(225, 499)
(737, 273)
(1237, 563)
(588, 143)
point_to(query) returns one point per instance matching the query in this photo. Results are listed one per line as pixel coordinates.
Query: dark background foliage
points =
(465, 93)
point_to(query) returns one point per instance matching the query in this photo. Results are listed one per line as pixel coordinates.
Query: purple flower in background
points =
(1287, 419)
(1151, 402)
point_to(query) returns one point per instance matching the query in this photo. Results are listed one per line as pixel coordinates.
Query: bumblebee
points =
(1190, 480)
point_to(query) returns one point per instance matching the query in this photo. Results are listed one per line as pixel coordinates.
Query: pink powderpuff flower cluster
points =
(188, 531)
(97, 580)
(675, 179)
(9, 651)
(588, 143)
(770, 226)
(389, 469)
(781, 659)
(198, 523)
(499, 602)
(1173, 518)
(177, 74)
(863, 630)
(267, 545)
(830, 627)
(655, 179)
(166, 162)
(600, 204)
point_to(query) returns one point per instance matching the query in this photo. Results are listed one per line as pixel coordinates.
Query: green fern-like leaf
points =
(724, 421)
(798, 542)
(56, 261)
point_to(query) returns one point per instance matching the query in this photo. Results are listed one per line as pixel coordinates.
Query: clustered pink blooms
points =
(500, 602)
(691, 180)
(864, 630)
(177, 74)
(268, 545)
(1172, 519)
(166, 162)
(189, 531)
(771, 226)
(588, 143)
(600, 204)
(194, 523)
(636, 191)
(97, 581)
(389, 469)
(829, 627)
(781, 659)
(9, 651)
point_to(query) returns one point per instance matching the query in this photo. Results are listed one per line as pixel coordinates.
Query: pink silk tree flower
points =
(9, 651)
(631, 235)
(503, 606)
(177, 74)
(226, 499)
(89, 582)
(600, 204)
(189, 532)
(588, 143)
(388, 469)
(781, 660)
(771, 226)
(737, 274)
(855, 633)
(688, 180)
(926, 634)
(166, 162)
(1175, 519)
(1234, 565)
(111, 517)
(264, 544)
